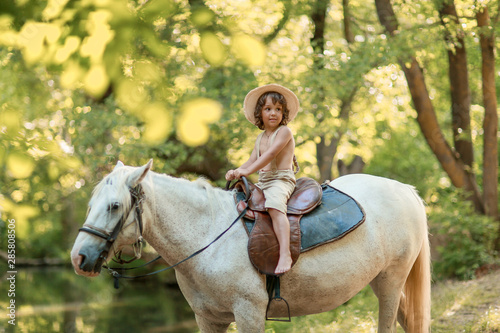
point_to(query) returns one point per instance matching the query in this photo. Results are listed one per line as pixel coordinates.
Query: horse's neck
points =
(183, 216)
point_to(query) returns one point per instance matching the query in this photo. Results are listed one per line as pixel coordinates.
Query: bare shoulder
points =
(285, 132)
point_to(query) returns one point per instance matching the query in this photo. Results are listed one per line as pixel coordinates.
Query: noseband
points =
(138, 196)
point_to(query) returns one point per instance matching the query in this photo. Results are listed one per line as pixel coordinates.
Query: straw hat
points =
(253, 96)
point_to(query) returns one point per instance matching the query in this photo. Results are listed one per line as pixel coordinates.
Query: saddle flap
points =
(263, 246)
(306, 196)
(249, 214)
(257, 200)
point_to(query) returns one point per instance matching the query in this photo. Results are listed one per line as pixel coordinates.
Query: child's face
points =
(272, 114)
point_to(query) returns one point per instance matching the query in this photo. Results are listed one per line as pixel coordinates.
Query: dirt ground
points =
(467, 306)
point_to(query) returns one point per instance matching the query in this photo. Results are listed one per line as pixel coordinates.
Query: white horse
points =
(389, 251)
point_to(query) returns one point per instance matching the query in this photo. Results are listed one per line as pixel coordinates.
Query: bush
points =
(466, 239)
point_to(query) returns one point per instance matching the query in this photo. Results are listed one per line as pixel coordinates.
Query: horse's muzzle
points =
(92, 260)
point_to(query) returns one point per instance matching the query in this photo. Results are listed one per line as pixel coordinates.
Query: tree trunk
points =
(490, 125)
(326, 151)
(324, 157)
(426, 115)
(349, 37)
(318, 16)
(69, 223)
(459, 82)
(356, 166)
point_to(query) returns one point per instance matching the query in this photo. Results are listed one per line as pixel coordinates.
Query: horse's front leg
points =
(208, 326)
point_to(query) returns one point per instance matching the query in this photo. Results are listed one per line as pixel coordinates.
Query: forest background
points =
(400, 89)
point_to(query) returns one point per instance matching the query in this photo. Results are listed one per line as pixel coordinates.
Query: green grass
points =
(360, 314)
(457, 306)
(470, 306)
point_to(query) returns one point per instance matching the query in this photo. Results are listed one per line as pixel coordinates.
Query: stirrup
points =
(273, 288)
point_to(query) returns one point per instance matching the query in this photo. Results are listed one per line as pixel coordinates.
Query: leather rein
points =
(138, 197)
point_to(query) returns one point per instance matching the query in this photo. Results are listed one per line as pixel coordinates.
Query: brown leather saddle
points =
(263, 246)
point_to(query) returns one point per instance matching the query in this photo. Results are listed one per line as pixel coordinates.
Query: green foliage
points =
(147, 53)
(417, 168)
(464, 238)
(146, 63)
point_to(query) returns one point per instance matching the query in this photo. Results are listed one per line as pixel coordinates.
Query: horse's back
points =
(394, 212)
(363, 182)
(380, 193)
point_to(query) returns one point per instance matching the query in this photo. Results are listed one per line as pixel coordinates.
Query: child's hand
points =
(230, 175)
(238, 173)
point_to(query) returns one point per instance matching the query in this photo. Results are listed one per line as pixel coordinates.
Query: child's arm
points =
(251, 160)
(230, 175)
(282, 138)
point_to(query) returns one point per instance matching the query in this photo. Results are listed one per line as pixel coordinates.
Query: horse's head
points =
(111, 221)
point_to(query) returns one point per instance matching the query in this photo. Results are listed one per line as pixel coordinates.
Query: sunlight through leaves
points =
(249, 50)
(71, 75)
(196, 116)
(34, 38)
(20, 165)
(96, 81)
(71, 45)
(212, 48)
(158, 122)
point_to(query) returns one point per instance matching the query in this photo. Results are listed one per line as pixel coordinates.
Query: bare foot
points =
(284, 264)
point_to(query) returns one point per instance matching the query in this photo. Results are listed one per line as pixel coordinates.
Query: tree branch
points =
(287, 7)
(34, 261)
(426, 115)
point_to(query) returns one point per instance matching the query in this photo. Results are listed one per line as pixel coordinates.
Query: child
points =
(270, 108)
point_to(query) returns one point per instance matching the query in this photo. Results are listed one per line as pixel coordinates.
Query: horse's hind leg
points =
(208, 326)
(388, 290)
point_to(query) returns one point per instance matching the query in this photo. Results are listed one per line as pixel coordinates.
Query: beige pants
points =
(277, 187)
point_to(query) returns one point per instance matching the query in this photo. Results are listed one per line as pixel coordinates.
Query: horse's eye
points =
(114, 206)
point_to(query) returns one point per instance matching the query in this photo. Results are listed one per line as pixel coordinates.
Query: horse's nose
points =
(77, 261)
(82, 261)
(90, 262)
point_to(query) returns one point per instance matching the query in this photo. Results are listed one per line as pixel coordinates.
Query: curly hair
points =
(276, 98)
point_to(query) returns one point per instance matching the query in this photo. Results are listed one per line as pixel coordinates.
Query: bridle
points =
(137, 197)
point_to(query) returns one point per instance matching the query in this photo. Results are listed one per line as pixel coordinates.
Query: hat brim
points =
(253, 96)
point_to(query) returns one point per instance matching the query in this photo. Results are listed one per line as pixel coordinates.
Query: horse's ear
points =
(138, 175)
(119, 165)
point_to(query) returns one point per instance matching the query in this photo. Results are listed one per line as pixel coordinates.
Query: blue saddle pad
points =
(337, 215)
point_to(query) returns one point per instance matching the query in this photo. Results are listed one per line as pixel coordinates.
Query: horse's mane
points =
(118, 178)
(215, 196)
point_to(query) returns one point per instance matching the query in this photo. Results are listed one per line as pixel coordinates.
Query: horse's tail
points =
(415, 305)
